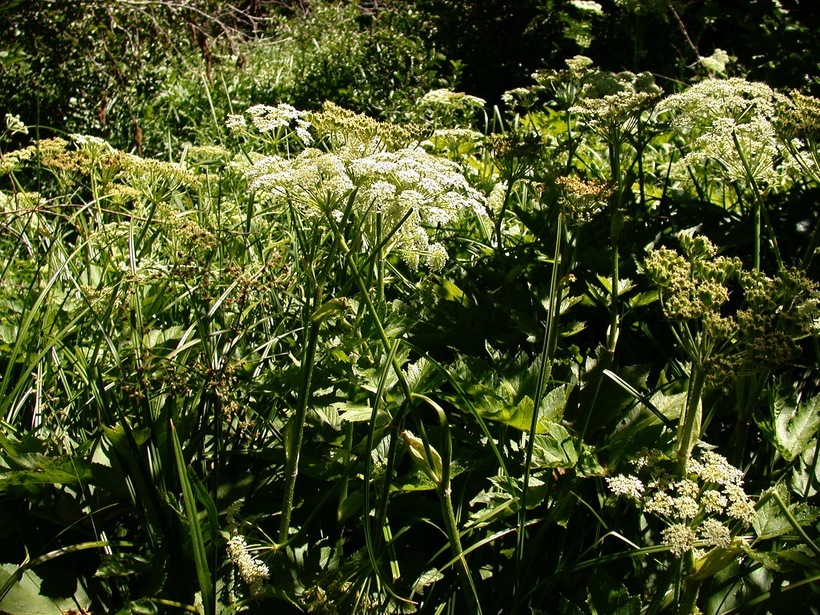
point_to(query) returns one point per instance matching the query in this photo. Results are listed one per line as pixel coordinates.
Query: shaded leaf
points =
(792, 427)
(606, 597)
(771, 522)
(554, 448)
(25, 597)
(122, 564)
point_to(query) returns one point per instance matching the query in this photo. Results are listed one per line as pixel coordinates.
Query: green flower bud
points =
(425, 457)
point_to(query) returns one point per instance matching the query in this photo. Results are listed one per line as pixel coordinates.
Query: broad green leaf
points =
(349, 506)
(519, 415)
(57, 471)
(356, 413)
(770, 521)
(118, 438)
(792, 427)
(554, 448)
(449, 291)
(329, 309)
(607, 597)
(157, 337)
(426, 578)
(588, 464)
(25, 597)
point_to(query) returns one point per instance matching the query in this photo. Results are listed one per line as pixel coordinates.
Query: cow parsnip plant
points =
(337, 365)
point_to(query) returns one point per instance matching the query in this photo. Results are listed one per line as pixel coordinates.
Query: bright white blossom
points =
(412, 189)
(283, 116)
(447, 98)
(629, 486)
(588, 6)
(15, 125)
(716, 63)
(729, 121)
(698, 506)
(253, 572)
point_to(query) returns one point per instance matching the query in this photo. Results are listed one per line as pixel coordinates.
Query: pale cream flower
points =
(715, 533)
(630, 486)
(713, 501)
(253, 572)
(679, 538)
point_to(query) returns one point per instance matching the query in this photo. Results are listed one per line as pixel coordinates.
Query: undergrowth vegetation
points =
(554, 356)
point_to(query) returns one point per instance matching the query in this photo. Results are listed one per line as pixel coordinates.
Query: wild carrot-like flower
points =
(15, 125)
(729, 121)
(696, 507)
(411, 188)
(582, 199)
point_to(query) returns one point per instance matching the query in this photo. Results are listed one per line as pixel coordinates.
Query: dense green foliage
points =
(392, 349)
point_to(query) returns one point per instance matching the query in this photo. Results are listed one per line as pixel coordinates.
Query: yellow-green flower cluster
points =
(582, 199)
(695, 286)
(340, 127)
(760, 336)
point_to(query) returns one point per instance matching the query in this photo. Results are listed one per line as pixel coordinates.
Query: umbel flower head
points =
(698, 508)
(730, 122)
(611, 104)
(606, 102)
(693, 285)
(582, 199)
(412, 189)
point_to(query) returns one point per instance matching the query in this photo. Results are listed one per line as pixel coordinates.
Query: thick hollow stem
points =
(690, 419)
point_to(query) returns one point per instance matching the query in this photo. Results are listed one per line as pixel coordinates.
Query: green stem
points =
(500, 218)
(547, 352)
(614, 304)
(690, 419)
(616, 224)
(293, 450)
(689, 589)
(467, 583)
(758, 207)
(445, 493)
(570, 140)
(368, 300)
(590, 394)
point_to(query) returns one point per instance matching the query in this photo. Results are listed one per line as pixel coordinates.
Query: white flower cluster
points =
(629, 486)
(431, 189)
(730, 122)
(15, 125)
(447, 98)
(691, 506)
(588, 6)
(612, 103)
(252, 571)
(269, 119)
(716, 63)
